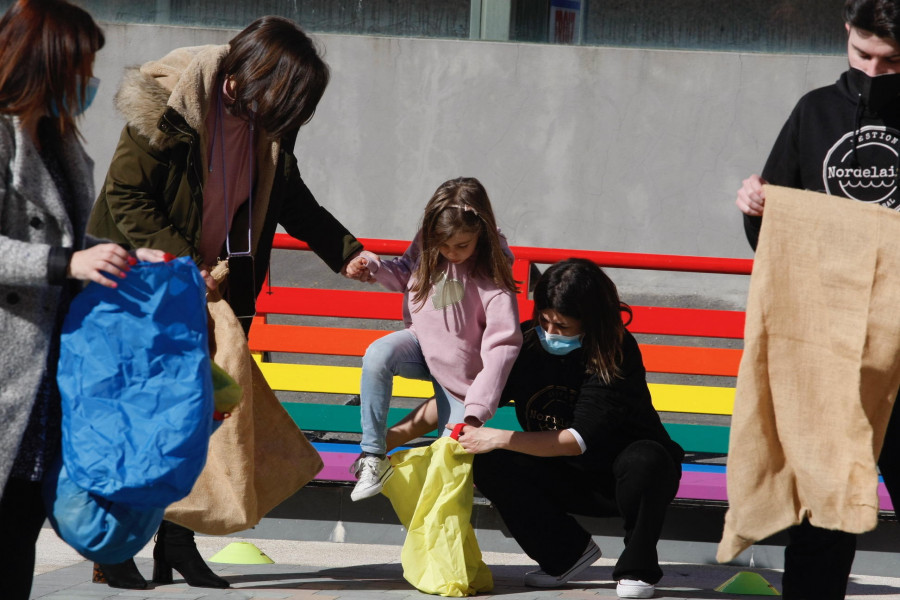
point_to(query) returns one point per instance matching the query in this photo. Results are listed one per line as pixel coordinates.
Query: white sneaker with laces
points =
(634, 588)
(372, 471)
(542, 580)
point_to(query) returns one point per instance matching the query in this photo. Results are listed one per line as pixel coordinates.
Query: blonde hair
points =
(461, 205)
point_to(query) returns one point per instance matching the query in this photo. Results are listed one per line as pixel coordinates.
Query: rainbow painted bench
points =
(311, 340)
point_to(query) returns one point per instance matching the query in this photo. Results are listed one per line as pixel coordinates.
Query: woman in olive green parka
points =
(205, 165)
(153, 195)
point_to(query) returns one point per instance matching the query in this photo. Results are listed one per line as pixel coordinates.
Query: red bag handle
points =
(457, 429)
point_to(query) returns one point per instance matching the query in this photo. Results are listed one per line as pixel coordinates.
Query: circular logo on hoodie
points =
(551, 408)
(863, 165)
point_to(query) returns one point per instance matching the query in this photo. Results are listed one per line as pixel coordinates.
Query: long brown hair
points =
(579, 289)
(275, 64)
(47, 50)
(461, 205)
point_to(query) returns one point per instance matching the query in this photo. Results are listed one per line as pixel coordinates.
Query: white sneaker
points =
(542, 580)
(372, 472)
(634, 588)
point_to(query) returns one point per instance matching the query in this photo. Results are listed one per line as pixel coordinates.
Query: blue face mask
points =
(90, 92)
(558, 344)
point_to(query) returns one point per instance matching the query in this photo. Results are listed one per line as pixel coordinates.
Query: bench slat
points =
(687, 360)
(337, 417)
(329, 379)
(388, 306)
(334, 341)
(330, 303)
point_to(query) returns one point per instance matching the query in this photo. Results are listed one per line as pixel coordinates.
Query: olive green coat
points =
(153, 193)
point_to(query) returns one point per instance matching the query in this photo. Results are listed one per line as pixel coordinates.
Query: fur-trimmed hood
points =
(183, 80)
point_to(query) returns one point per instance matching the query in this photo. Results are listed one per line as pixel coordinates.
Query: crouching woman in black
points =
(592, 443)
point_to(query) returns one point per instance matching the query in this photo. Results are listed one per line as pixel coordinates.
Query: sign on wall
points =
(566, 17)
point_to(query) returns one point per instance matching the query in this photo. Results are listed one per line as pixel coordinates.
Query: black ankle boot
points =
(175, 549)
(123, 575)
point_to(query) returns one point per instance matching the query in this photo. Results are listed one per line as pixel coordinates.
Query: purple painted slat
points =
(694, 485)
(337, 466)
(711, 486)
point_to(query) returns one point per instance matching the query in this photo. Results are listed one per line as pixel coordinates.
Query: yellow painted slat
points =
(329, 379)
(707, 400)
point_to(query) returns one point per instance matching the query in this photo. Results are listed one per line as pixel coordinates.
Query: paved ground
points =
(331, 571)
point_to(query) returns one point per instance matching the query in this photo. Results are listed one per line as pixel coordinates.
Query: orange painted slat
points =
(691, 361)
(353, 342)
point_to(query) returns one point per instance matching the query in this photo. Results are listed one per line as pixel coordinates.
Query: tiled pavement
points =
(332, 571)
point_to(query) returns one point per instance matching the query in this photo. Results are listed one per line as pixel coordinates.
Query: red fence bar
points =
(625, 260)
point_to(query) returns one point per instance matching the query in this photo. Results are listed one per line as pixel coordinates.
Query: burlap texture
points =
(258, 457)
(820, 369)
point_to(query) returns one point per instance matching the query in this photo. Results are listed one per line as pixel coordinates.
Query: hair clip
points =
(464, 207)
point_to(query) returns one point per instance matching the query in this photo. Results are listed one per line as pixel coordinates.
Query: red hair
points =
(48, 49)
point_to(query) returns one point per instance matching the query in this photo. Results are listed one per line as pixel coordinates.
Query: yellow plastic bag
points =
(431, 491)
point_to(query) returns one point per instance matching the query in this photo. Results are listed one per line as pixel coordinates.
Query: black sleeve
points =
(782, 168)
(305, 219)
(611, 415)
(58, 264)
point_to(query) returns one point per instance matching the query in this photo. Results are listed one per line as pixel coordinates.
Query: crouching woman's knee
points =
(647, 464)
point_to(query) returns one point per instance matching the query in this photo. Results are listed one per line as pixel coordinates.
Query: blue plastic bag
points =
(136, 386)
(98, 529)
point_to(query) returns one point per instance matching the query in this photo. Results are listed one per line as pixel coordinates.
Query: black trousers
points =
(817, 562)
(537, 497)
(22, 514)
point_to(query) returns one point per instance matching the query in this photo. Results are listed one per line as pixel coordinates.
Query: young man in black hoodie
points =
(842, 139)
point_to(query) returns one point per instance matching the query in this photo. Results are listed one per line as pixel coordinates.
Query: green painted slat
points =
(340, 418)
(700, 438)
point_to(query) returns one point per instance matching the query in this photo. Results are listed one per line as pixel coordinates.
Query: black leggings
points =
(537, 496)
(22, 515)
(817, 562)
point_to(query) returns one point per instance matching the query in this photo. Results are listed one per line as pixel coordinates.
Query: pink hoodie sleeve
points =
(394, 274)
(500, 346)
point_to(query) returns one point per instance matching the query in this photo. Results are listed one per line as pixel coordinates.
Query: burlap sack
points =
(258, 457)
(820, 369)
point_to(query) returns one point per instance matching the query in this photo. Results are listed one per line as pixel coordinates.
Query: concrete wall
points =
(579, 147)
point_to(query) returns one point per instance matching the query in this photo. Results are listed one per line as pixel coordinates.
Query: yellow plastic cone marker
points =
(751, 584)
(241, 553)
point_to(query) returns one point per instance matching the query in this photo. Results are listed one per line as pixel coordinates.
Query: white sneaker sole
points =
(629, 591)
(363, 493)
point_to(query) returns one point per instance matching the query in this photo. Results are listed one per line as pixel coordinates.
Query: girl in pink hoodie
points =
(462, 321)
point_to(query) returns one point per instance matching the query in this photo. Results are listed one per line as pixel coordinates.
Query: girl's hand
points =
(358, 269)
(91, 264)
(478, 440)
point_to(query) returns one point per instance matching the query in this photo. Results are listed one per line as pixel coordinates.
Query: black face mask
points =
(875, 93)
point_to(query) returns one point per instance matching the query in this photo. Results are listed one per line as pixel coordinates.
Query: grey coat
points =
(33, 220)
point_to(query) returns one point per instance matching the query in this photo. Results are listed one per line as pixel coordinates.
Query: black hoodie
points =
(554, 392)
(832, 144)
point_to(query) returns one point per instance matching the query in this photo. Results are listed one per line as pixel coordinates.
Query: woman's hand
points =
(478, 440)
(151, 255)
(211, 283)
(91, 264)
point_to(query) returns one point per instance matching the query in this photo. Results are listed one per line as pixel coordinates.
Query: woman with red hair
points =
(47, 50)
